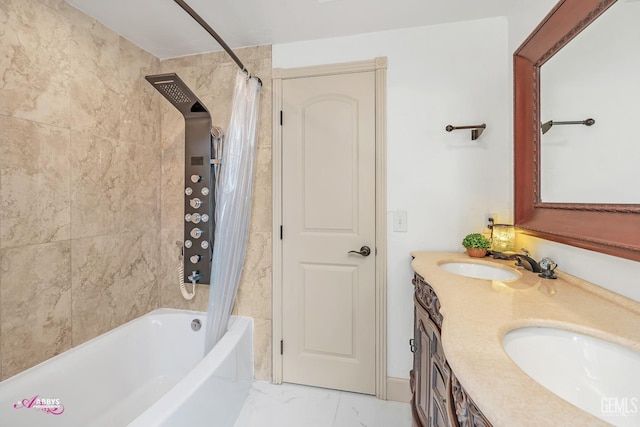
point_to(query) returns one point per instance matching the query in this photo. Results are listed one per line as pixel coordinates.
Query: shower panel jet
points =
(200, 158)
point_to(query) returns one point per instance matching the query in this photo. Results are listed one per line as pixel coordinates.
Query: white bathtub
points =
(148, 372)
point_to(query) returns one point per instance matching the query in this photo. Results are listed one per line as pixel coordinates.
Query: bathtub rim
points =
(52, 359)
(240, 333)
(161, 310)
(168, 404)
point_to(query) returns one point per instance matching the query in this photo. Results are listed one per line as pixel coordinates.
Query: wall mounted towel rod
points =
(215, 35)
(546, 126)
(476, 130)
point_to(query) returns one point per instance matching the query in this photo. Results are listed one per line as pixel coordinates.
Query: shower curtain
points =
(233, 206)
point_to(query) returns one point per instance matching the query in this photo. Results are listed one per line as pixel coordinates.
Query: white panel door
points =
(328, 197)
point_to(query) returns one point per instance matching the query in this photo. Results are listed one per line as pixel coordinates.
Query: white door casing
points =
(329, 306)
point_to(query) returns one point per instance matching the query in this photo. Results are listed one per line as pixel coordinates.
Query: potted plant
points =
(476, 244)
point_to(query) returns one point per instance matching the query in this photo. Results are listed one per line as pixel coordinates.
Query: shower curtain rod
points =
(215, 35)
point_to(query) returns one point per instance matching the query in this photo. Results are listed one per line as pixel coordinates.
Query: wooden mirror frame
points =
(613, 229)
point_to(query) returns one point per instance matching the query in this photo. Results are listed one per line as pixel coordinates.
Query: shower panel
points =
(199, 201)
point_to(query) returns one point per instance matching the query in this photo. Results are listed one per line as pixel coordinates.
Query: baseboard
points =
(398, 389)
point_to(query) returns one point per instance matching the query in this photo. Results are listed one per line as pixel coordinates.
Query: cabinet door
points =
(438, 416)
(422, 364)
(433, 378)
(437, 391)
(439, 383)
(442, 412)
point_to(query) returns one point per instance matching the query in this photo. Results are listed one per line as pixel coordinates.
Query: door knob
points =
(364, 251)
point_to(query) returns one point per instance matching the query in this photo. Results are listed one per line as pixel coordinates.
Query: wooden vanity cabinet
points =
(438, 398)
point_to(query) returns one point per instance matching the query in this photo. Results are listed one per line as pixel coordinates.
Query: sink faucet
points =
(545, 268)
(530, 263)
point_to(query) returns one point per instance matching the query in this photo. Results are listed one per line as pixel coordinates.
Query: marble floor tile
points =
(362, 410)
(291, 405)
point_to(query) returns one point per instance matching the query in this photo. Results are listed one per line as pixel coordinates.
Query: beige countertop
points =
(477, 313)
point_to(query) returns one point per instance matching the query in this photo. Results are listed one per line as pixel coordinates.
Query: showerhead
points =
(177, 93)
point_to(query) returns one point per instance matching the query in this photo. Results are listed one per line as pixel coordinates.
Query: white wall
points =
(437, 75)
(455, 74)
(524, 16)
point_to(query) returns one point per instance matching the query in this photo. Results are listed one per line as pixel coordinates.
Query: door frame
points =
(379, 65)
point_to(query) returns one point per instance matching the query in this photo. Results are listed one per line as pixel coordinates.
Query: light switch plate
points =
(400, 221)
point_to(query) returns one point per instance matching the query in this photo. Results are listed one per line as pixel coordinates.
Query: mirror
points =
(577, 83)
(612, 226)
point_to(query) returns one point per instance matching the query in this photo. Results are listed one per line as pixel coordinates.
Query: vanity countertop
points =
(477, 313)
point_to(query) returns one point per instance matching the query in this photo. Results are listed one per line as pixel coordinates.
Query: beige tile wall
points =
(79, 140)
(211, 76)
(91, 181)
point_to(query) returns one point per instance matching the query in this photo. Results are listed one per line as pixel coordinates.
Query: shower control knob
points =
(194, 277)
(188, 191)
(194, 259)
(187, 244)
(195, 203)
(205, 191)
(196, 178)
(195, 218)
(196, 233)
(187, 217)
(205, 218)
(204, 244)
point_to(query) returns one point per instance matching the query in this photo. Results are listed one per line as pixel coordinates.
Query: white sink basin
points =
(479, 270)
(597, 376)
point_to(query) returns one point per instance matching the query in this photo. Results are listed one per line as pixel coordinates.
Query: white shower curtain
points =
(233, 206)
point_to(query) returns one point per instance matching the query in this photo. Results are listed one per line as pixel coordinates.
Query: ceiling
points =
(162, 28)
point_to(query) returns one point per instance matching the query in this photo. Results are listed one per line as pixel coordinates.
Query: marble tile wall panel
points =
(34, 82)
(263, 70)
(140, 175)
(140, 153)
(139, 115)
(96, 185)
(35, 174)
(95, 271)
(262, 349)
(261, 206)
(57, 5)
(35, 309)
(114, 280)
(138, 274)
(79, 181)
(215, 88)
(94, 78)
(254, 294)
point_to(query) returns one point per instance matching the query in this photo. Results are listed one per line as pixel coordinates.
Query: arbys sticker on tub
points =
(47, 405)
